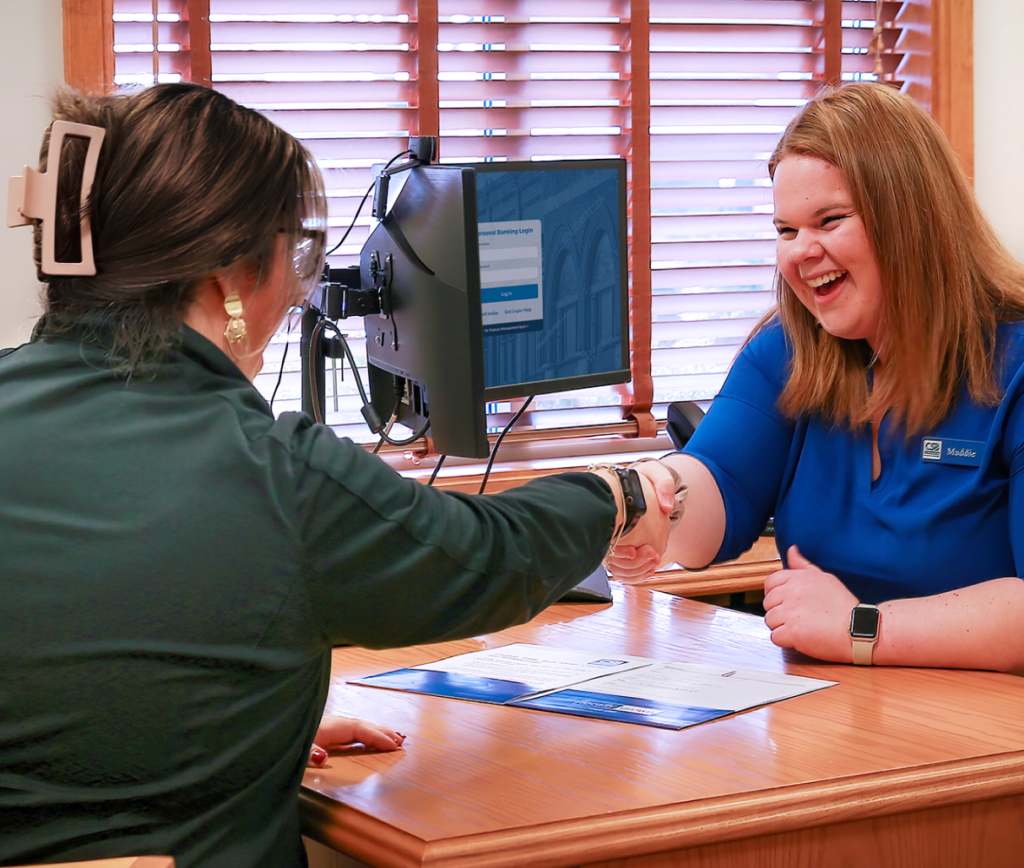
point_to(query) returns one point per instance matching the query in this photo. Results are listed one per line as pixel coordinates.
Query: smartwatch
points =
(633, 501)
(864, 624)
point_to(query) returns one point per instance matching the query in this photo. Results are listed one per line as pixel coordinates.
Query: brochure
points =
(614, 687)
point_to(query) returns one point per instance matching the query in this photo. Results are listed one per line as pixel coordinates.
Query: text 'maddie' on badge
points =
(944, 451)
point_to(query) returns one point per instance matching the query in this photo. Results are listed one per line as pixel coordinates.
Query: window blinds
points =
(694, 93)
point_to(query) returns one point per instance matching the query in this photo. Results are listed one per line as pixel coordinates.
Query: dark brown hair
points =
(947, 279)
(188, 182)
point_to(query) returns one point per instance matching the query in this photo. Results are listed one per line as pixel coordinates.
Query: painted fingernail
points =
(317, 755)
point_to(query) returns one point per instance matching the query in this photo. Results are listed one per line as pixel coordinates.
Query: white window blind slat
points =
(539, 79)
(727, 76)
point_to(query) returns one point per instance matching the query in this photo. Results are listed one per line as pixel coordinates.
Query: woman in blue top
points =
(876, 411)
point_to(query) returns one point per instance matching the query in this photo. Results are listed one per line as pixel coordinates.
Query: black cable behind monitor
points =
(417, 288)
(497, 443)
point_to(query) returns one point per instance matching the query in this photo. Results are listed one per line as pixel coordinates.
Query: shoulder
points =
(314, 450)
(764, 358)
(769, 343)
(12, 353)
(294, 436)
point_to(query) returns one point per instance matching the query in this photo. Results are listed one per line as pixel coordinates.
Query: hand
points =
(663, 482)
(809, 610)
(640, 551)
(632, 564)
(336, 732)
(637, 557)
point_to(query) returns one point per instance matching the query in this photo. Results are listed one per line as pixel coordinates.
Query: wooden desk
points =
(746, 573)
(892, 767)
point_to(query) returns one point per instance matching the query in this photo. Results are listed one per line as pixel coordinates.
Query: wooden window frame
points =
(941, 77)
(938, 68)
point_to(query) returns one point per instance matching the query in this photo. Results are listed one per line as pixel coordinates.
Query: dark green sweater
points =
(175, 565)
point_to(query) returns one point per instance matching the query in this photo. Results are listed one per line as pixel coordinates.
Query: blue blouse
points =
(946, 511)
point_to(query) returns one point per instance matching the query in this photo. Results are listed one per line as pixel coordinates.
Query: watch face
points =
(864, 622)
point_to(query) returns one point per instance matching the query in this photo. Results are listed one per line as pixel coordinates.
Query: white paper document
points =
(611, 687)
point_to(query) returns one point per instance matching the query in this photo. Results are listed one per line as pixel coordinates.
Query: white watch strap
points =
(862, 649)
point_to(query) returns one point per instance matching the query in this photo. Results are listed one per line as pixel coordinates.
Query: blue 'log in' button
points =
(498, 294)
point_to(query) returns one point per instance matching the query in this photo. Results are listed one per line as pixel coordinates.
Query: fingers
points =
(654, 527)
(796, 560)
(773, 581)
(661, 481)
(630, 564)
(338, 731)
(377, 737)
(317, 757)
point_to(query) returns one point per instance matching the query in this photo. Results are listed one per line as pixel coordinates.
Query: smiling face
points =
(823, 249)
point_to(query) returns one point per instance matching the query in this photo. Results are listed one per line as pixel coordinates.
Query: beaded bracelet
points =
(634, 505)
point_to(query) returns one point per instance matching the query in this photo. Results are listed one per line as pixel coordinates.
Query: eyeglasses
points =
(307, 256)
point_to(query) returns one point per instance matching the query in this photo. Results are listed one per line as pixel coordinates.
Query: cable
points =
(280, 371)
(497, 443)
(351, 362)
(362, 202)
(284, 356)
(323, 322)
(416, 435)
(399, 386)
(384, 438)
(437, 467)
(314, 338)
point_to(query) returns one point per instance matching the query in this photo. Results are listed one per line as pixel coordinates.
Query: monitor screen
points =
(427, 340)
(553, 275)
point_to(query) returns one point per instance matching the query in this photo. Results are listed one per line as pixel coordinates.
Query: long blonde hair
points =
(947, 279)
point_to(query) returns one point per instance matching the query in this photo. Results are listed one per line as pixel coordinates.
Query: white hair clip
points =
(34, 196)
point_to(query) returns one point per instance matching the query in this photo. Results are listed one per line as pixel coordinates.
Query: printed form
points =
(608, 687)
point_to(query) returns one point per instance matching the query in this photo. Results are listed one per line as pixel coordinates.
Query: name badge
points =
(944, 451)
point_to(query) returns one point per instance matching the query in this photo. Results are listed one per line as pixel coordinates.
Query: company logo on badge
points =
(931, 450)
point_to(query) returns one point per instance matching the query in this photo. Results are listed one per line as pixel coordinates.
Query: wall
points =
(31, 65)
(999, 116)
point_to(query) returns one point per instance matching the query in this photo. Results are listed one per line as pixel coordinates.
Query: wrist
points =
(604, 473)
(679, 488)
(634, 500)
(630, 499)
(865, 629)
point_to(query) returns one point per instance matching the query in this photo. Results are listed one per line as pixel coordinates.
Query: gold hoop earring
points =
(235, 331)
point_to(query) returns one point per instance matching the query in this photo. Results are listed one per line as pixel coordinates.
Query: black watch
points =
(633, 501)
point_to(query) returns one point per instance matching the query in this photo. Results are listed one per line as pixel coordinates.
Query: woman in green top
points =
(176, 563)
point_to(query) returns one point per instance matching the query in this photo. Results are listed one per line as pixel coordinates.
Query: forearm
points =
(451, 565)
(697, 538)
(977, 627)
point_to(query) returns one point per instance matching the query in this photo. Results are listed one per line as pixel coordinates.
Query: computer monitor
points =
(429, 334)
(499, 280)
(553, 275)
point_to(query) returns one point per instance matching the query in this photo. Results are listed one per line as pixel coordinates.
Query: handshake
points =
(634, 554)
